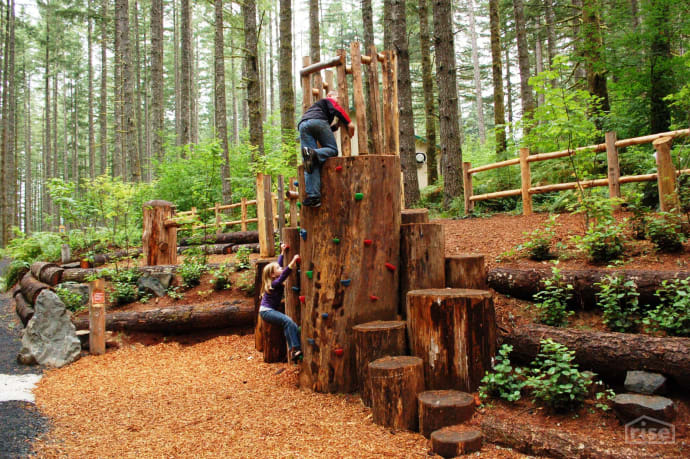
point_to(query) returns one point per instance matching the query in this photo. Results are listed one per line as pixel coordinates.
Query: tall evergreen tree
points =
(221, 121)
(287, 93)
(251, 76)
(497, 76)
(428, 88)
(157, 81)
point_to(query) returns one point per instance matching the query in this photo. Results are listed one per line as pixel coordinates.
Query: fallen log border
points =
(524, 283)
(80, 274)
(608, 354)
(179, 318)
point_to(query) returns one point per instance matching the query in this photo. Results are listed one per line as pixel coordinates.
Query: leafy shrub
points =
(174, 294)
(619, 300)
(14, 273)
(603, 241)
(72, 300)
(220, 278)
(243, 258)
(672, 315)
(191, 271)
(40, 246)
(246, 282)
(552, 301)
(505, 381)
(555, 379)
(538, 246)
(638, 222)
(665, 232)
(123, 293)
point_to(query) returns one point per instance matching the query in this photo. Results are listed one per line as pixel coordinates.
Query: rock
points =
(631, 406)
(152, 285)
(50, 337)
(80, 289)
(644, 382)
(165, 279)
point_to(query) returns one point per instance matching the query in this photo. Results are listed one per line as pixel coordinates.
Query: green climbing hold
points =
(310, 274)
(359, 196)
(336, 240)
(299, 205)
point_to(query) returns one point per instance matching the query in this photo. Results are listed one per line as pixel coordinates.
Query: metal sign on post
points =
(97, 317)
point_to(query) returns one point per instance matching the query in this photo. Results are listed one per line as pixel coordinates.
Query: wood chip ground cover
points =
(215, 398)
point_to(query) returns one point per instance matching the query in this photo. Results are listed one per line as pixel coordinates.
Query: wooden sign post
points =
(97, 317)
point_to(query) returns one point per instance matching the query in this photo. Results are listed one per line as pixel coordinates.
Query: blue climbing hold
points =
(310, 341)
(324, 315)
(303, 233)
(345, 282)
(295, 288)
(296, 183)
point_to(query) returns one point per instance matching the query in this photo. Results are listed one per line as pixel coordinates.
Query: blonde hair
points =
(266, 278)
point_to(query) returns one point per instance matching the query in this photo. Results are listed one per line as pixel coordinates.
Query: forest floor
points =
(211, 395)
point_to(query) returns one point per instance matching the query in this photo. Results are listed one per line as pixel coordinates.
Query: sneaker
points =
(309, 157)
(296, 355)
(312, 201)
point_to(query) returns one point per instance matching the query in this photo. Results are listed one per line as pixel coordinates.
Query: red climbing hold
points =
(338, 168)
(302, 299)
(368, 242)
(299, 258)
(338, 351)
(373, 297)
(390, 267)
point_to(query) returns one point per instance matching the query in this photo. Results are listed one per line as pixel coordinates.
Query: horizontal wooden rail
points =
(508, 162)
(651, 138)
(318, 66)
(496, 195)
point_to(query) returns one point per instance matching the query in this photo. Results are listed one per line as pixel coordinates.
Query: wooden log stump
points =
(414, 216)
(454, 332)
(209, 249)
(24, 309)
(31, 287)
(395, 383)
(258, 334)
(274, 344)
(48, 273)
(422, 250)
(259, 269)
(466, 271)
(442, 408)
(159, 239)
(238, 237)
(452, 442)
(292, 283)
(374, 340)
(350, 252)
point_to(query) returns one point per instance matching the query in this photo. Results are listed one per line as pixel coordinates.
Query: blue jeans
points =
(311, 131)
(289, 326)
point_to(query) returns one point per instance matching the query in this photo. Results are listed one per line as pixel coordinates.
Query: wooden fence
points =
(666, 175)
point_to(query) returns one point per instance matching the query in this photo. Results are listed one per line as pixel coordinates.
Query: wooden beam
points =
(318, 66)
(376, 130)
(389, 143)
(526, 182)
(306, 86)
(343, 100)
(358, 90)
(668, 197)
(614, 170)
(265, 215)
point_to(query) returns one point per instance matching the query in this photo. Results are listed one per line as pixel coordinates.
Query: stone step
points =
(629, 407)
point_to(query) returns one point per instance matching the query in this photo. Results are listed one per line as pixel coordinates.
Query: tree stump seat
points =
(273, 342)
(442, 408)
(466, 270)
(395, 382)
(453, 441)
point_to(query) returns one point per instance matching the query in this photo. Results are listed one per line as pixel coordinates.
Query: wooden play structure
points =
(665, 176)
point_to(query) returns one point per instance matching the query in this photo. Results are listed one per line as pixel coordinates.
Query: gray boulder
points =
(631, 406)
(81, 289)
(152, 285)
(50, 337)
(644, 382)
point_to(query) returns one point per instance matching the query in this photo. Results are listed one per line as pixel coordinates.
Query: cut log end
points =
(451, 442)
(452, 293)
(395, 383)
(414, 216)
(442, 408)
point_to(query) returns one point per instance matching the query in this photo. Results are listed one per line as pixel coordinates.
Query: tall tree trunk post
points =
(103, 109)
(185, 73)
(287, 93)
(219, 91)
(523, 61)
(477, 74)
(497, 76)
(251, 67)
(428, 88)
(157, 113)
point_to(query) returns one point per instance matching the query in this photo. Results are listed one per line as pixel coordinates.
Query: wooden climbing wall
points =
(349, 271)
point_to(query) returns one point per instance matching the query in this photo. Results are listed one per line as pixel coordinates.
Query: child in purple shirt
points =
(272, 290)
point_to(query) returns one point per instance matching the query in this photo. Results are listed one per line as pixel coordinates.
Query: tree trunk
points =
(157, 112)
(395, 382)
(209, 249)
(92, 132)
(374, 340)
(314, 34)
(451, 148)
(477, 74)
(219, 91)
(350, 248)
(287, 93)
(185, 73)
(368, 35)
(28, 160)
(176, 319)
(455, 441)
(239, 237)
(31, 287)
(48, 273)
(139, 121)
(235, 111)
(422, 248)
(524, 283)
(608, 354)
(593, 50)
(292, 283)
(387, 29)
(454, 332)
(274, 345)
(46, 133)
(660, 66)
(466, 271)
(550, 31)
(497, 75)
(117, 169)
(414, 216)
(129, 125)
(406, 116)
(428, 88)
(102, 109)
(538, 59)
(159, 238)
(23, 308)
(523, 61)
(441, 408)
(532, 439)
(251, 67)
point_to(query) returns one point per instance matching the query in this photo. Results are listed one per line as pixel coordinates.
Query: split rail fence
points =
(665, 176)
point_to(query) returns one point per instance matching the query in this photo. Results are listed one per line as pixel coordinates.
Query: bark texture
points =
(497, 78)
(441, 408)
(287, 92)
(157, 114)
(422, 266)
(251, 74)
(395, 382)
(219, 92)
(523, 60)
(428, 88)
(466, 271)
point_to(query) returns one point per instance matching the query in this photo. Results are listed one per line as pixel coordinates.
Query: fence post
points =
(281, 205)
(264, 214)
(668, 198)
(613, 165)
(217, 211)
(467, 187)
(526, 179)
(243, 207)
